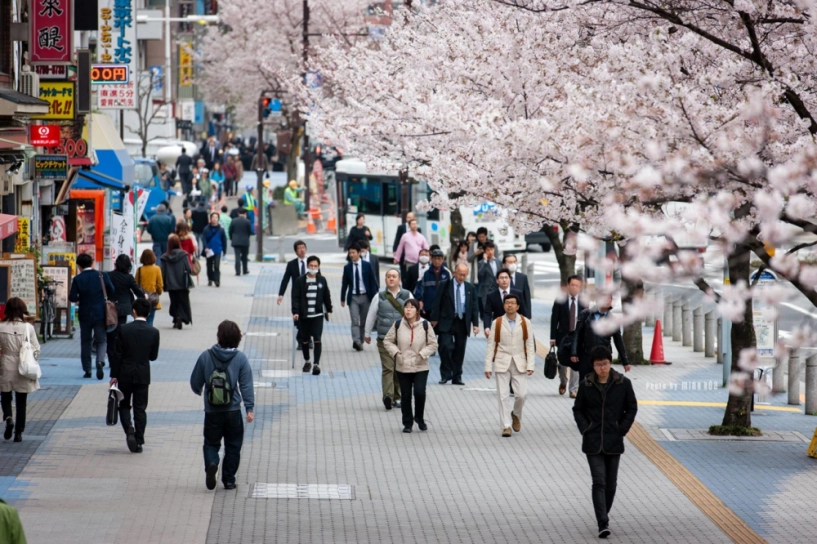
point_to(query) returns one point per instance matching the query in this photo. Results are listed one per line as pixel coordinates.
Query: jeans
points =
(242, 254)
(159, 248)
(417, 381)
(20, 405)
(92, 332)
(138, 394)
(214, 268)
(230, 426)
(604, 471)
(452, 350)
(151, 315)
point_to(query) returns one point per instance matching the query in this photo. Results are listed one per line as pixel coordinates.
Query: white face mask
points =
(313, 272)
(424, 259)
(512, 268)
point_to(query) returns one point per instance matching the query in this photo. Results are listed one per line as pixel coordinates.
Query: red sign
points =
(45, 135)
(8, 225)
(50, 39)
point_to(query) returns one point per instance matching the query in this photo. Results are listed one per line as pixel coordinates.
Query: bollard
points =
(523, 263)
(281, 255)
(667, 316)
(720, 334)
(794, 377)
(686, 324)
(677, 320)
(811, 385)
(779, 377)
(698, 329)
(531, 273)
(650, 295)
(709, 334)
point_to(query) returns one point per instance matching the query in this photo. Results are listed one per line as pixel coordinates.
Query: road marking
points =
(721, 515)
(712, 405)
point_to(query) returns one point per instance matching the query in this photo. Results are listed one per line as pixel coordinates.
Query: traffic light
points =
(265, 102)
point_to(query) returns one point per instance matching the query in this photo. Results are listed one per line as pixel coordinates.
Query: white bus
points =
(378, 196)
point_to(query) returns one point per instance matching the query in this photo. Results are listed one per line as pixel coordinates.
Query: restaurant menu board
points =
(21, 281)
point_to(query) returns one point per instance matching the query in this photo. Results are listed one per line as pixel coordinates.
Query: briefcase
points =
(551, 364)
(114, 396)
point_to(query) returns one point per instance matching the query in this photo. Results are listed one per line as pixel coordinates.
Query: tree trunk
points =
(292, 158)
(633, 337)
(567, 263)
(738, 408)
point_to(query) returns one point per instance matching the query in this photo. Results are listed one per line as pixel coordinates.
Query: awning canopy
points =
(16, 103)
(87, 178)
(8, 225)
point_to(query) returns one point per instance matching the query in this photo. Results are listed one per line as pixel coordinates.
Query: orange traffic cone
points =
(657, 353)
(310, 225)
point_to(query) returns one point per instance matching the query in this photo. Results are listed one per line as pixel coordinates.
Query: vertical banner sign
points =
(50, 32)
(23, 242)
(185, 66)
(60, 94)
(117, 46)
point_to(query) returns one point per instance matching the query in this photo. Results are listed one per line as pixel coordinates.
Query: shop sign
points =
(110, 73)
(50, 39)
(185, 66)
(60, 94)
(44, 135)
(23, 242)
(50, 166)
(55, 71)
(116, 96)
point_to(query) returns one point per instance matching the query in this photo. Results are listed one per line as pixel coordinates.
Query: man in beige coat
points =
(512, 354)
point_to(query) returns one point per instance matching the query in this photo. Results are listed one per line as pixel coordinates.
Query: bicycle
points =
(47, 310)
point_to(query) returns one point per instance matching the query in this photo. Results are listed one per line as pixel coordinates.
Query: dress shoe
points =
(422, 424)
(99, 372)
(357, 346)
(387, 402)
(516, 423)
(209, 284)
(316, 370)
(9, 428)
(18, 437)
(573, 395)
(87, 374)
(229, 486)
(397, 404)
(210, 480)
(218, 284)
(458, 382)
(443, 382)
(406, 429)
(604, 532)
(506, 433)
(562, 389)
(131, 440)
(139, 448)
(307, 366)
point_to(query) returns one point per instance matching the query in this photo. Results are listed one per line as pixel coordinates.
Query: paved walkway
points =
(74, 480)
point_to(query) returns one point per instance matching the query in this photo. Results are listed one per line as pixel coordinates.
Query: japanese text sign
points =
(60, 94)
(23, 242)
(50, 166)
(51, 32)
(44, 135)
(185, 66)
(116, 95)
(117, 33)
(110, 73)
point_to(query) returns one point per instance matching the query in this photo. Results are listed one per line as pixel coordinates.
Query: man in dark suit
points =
(87, 290)
(240, 232)
(211, 152)
(495, 302)
(586, 338)
(357, 289)
(416, 271)
(401, 230)
(519, 281)
(488, 267)
(563, 320)
(184, 166)
(366, 255)
(294, 270)
(455, 308)
(137, 345)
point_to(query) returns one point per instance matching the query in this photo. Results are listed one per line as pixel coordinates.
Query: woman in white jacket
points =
(411, 341)
(12, 336)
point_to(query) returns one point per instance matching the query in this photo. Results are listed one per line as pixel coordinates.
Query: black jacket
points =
(367, 278)
(412, 277)
(494, 307)
(292, 272)
(240, 232)
(560, 318)
(126, 291)
(586, 339)
(137, 344)
(183, 163)
(175, 270)
(604, 417)
(444, 312)
(201, 218)
(520, 281)
(355, 235)
(299, 304)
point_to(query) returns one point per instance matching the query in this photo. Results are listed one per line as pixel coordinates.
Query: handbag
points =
(28, 367)
(196, 266)
(551, 364)
(112, 415)
(153, 298)
(111, 314)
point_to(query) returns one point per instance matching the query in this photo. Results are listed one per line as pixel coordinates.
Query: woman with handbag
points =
(176, 276)
(20, 351)
(149, 279)
(188, 244)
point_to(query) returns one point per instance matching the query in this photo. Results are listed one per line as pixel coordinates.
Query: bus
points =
(378, 196)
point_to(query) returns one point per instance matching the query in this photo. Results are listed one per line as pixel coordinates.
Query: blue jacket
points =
(86, 290)
(427, 286)
(215, 239)
(368, 280)
(239, 375)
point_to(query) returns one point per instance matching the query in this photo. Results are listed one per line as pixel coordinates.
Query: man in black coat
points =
(586, 338)
(495, 302)
(519, 281)
(366, 255)
(450, 317)
(137, 345)
(604, 411)
(310, 311)
(563, 319)
(200, 218)
(87, 290)
(294, 270)
(184, 167)
(415, 272)
(240, 232)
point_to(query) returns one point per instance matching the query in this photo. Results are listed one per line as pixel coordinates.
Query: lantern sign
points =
(110, 73)
(50, 31)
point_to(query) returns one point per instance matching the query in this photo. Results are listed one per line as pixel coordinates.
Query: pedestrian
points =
(240, 232)
(459, 253)
(410, 341)
(160, 226)
(604, 411)
(11, 528)
(250, 204)
(291, 197)
(137, 344)
(224, 219)
(401, 230)
(200, 216)
(176, 277)
(188, 243)
(167, 178)
(294, 270)
(475, 253)
(311, 301)
(586, 338)
(217, 177)
(366, 255)
(166, 204)
(426, 288)
(455, 308)
(384, 311)
(230, 177)
(223, 376)
(358, 232)
(489, 265)
(214, 243)
(184, 167)
(187, 217)
(149, 279)
(90, 289)
(357, 289)
(414, 273)
(13, 332)
(495, 303)
(126, 291)
(237, 210)
(408, 250)
(563, 319)
(519, 281)
(511, 355)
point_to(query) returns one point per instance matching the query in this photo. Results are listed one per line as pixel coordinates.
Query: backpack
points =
(219, 391)
(399, 321)
(498, 328)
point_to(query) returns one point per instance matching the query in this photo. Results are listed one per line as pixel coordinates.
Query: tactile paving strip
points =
(302, 491)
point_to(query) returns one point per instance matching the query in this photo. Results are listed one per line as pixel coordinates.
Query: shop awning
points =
(16, 103)
(8, 225)
(87, 178)
(113, 158)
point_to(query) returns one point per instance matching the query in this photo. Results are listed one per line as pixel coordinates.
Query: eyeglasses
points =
(600, 365)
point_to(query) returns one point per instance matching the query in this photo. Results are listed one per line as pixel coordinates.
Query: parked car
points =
(146, 175)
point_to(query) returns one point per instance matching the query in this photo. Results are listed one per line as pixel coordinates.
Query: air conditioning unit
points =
(29, 82)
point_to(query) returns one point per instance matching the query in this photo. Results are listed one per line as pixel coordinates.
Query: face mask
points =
(512, 268)
(312, 272)
(424, 259)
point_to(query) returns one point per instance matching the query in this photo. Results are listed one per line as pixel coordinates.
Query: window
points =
(5, 37)
(392, 191)
(143, 174)
(364, 196)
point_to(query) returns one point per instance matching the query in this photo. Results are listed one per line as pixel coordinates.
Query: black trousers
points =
(230, 427)
(180, 306)
(242, 254)
(409, 381)
(136, 395)
(452, 350)
(19, 404)
(604, 472)
(310, 328)
(228, 187)
(214, 268)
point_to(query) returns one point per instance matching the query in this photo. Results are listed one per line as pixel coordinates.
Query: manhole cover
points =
(302, 491)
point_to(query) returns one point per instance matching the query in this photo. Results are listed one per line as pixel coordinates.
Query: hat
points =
(248, 187)
(266, 183)
(293, 183)
(437, 253)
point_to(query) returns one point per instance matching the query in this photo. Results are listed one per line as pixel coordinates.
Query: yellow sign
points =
(60, 94)
(23, 235)
(64, 258)
(185, 66)
(812, 448)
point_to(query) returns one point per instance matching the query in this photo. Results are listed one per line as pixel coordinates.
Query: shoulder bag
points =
(29, 367)
(153, 298)
(111, 314)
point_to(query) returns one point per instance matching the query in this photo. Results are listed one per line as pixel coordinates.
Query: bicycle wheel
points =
(49, 319)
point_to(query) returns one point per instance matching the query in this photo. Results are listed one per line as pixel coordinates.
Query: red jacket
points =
(230, 171)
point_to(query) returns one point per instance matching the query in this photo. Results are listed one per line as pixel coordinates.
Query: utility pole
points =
(259, 231)
(307, 150)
